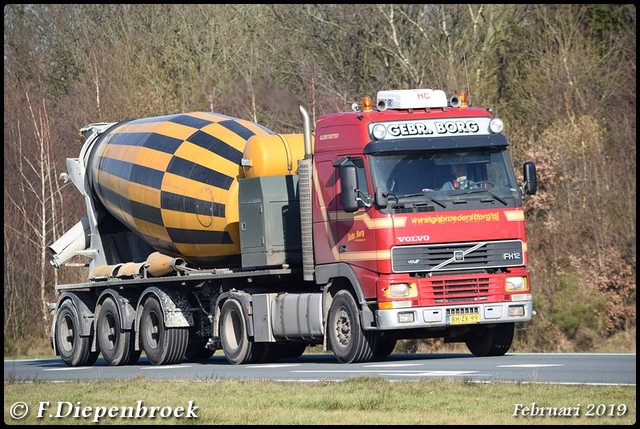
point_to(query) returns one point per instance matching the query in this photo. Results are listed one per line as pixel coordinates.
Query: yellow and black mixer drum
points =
(173, 180)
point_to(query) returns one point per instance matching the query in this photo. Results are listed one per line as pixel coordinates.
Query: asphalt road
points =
(562, 368)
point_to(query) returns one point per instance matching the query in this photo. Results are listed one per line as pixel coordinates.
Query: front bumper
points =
(440, 316)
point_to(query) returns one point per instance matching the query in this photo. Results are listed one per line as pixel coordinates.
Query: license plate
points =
(464, 319)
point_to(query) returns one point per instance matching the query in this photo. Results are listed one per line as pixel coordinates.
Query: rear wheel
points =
(271, 352)
(349, 342)
(162, 345)
(490, 341)
(115, 344)
(196, 350)
(238, 347)
(294, 350)
(74, 349)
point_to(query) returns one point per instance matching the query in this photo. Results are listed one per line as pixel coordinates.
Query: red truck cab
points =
(425, 248)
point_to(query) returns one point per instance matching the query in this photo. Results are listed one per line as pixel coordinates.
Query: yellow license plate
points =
(464, 319)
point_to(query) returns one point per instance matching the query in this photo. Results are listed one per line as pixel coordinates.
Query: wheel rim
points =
(67, 332)
(108, 332)
(343, 327)
(152, 333)
(232, 330)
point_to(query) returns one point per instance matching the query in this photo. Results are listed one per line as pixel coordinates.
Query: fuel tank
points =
(173, 180)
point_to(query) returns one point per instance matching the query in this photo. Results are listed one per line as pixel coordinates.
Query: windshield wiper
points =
(475, 191)
(421, 194)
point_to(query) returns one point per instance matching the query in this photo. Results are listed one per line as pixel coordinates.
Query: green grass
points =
(363, 400)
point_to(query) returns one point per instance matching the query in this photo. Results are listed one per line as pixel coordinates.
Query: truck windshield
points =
(445, 174)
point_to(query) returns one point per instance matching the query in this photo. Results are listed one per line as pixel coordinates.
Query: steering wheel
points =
(483, 184)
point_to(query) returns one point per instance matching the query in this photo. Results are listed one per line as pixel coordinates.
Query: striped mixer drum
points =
(173, 180)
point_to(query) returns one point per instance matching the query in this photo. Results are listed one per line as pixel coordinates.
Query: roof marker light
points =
(464, 99)
(366, 104)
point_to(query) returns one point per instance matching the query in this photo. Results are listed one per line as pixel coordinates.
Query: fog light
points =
(516, 310)
(406, 317)
(521, 297)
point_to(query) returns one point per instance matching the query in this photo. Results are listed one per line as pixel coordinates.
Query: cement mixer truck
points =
(205, 232)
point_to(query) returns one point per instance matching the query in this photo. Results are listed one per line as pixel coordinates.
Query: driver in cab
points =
(461, 181)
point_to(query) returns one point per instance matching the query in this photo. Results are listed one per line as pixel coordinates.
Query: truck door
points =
(355, 234)
(325, 207)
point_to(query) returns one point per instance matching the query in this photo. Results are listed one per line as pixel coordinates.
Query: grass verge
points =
(364, 400)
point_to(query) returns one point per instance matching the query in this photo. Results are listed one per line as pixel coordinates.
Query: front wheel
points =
(162, 345)
(490, 341)
(385, 347)
(74, 349)
(349, 342)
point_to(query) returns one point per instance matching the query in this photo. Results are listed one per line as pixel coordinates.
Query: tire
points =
(385, 347)
(294, 350)
(275, 351)
(75, 350)
(349, 342)
(490, 341)
(237, 346)
(271, 352)
(196, 351)
(162, 345)
(115, 344)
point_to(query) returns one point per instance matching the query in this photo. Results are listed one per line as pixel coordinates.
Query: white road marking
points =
(436, 374)
(530, 365)
(274, 365)
(386, 371)
(392, 365)
(67, 369)
(179, 366)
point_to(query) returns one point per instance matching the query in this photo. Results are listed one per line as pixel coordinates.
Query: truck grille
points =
(457, 256)
(460, 290)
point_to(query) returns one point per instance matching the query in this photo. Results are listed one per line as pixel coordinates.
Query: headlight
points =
(496, 125)
(515, 283)
(401, 290)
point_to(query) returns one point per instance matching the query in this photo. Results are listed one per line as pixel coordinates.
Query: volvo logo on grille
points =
(413, 261)
(458, 256)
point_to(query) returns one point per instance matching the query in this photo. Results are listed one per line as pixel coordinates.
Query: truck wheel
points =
(74, 349)
(236, 344)
(349, 342)
(490, 341)
(162, 345)
(115, 344)
(294, 350)
(196, 350)
(385, 347)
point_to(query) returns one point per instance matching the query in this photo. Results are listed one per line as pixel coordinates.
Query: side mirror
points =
(382, 195)
(348, 187)
(530, 181)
